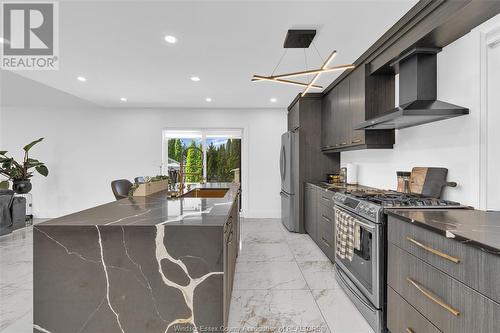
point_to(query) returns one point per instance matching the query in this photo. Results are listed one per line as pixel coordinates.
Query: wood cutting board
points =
(429, 182)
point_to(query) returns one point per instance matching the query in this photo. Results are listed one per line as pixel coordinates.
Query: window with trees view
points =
(206, 154)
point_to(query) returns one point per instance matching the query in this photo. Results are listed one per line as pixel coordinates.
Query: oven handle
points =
(357, 218)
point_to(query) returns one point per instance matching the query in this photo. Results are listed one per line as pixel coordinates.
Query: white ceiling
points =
(118, 46)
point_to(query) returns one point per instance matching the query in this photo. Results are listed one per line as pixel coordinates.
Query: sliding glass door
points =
(223, 158)
(209, 154)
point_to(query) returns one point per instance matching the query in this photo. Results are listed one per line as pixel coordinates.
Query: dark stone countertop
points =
(156, 209)
(474, 227)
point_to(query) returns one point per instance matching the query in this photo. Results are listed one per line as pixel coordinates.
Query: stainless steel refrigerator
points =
(289, 209)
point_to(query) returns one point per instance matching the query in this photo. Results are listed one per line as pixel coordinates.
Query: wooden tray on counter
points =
(150, 188)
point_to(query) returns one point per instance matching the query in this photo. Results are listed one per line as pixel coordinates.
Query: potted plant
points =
(21, 172)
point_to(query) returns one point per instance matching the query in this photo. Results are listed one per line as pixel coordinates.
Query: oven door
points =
(365, 268)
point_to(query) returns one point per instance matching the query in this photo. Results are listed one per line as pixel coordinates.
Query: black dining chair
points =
(139, 180)
(120, 188)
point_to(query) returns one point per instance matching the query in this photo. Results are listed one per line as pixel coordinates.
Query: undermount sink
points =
(206, 193)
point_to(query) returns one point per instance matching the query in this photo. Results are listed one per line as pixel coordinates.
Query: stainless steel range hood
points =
(417, 95)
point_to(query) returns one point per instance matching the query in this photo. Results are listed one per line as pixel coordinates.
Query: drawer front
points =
(475, 268)
(326, 231)
(447, 303)
(326, 215)
(403, 318)
(325, 243)
(326, 198)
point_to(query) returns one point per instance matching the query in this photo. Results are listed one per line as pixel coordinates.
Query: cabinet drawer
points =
(326, 244)
(447, 303)
(326, 231)
(326, 228)
(326, 198)
(403, 318)
(327, 214)
(475, 268)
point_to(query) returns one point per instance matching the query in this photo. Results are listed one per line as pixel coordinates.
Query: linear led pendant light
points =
(302, 39)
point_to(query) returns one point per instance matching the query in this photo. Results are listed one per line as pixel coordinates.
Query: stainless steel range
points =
(364, 277)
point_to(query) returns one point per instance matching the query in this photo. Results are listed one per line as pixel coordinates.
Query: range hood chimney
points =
(418, 102)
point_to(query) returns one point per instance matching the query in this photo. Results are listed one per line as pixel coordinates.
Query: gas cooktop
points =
(392, 199)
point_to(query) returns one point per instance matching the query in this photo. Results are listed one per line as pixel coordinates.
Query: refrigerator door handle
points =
(283, 194)
(283, 163)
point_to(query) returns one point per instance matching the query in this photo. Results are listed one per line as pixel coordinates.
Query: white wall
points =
(86, 147)
(452, 143)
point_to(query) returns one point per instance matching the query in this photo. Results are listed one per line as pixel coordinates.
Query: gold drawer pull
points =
(326, 218)
(325, 241)
(409, 330)
(434, 251)
(356, 141)
(433, 297)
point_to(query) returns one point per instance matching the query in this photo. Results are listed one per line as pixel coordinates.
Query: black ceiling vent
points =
(418, 102)
(298, 39)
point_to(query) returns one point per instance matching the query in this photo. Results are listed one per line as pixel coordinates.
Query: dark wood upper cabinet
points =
(358, 97)
(357, 106)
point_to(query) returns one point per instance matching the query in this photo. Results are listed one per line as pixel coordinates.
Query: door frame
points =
(488, 40)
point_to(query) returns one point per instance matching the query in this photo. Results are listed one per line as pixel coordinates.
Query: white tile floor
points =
(283, 280)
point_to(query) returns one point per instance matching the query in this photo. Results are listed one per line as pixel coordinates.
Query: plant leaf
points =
(7, 164)
(3, 152)
(30, 145)
(4, 185)
(32, 165)
(42, 169)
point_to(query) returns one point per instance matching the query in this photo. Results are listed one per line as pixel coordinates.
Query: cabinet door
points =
(326, 121)
(226, 283)
(335, 128)
(232, 253)
(344, 113)
(357, 105)
(310, 211)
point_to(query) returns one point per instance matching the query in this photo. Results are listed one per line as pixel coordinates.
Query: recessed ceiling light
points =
(123, 99)
(81, 78)
(273, 100)
(208, 99)
(170, 39)
(195, 78)
(4, 41)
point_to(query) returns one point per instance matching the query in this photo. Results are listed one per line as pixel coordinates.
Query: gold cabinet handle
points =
(434, 251)
(343, 143)
(430, 295)
(326, 218)
(409, 330)
(325, 241)
(356, 141)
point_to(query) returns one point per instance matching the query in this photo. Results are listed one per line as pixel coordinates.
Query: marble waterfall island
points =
(138, 265)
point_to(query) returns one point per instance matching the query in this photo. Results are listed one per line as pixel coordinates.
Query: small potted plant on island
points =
(21, 172)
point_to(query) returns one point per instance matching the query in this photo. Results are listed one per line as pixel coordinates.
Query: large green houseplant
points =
(21, 172)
